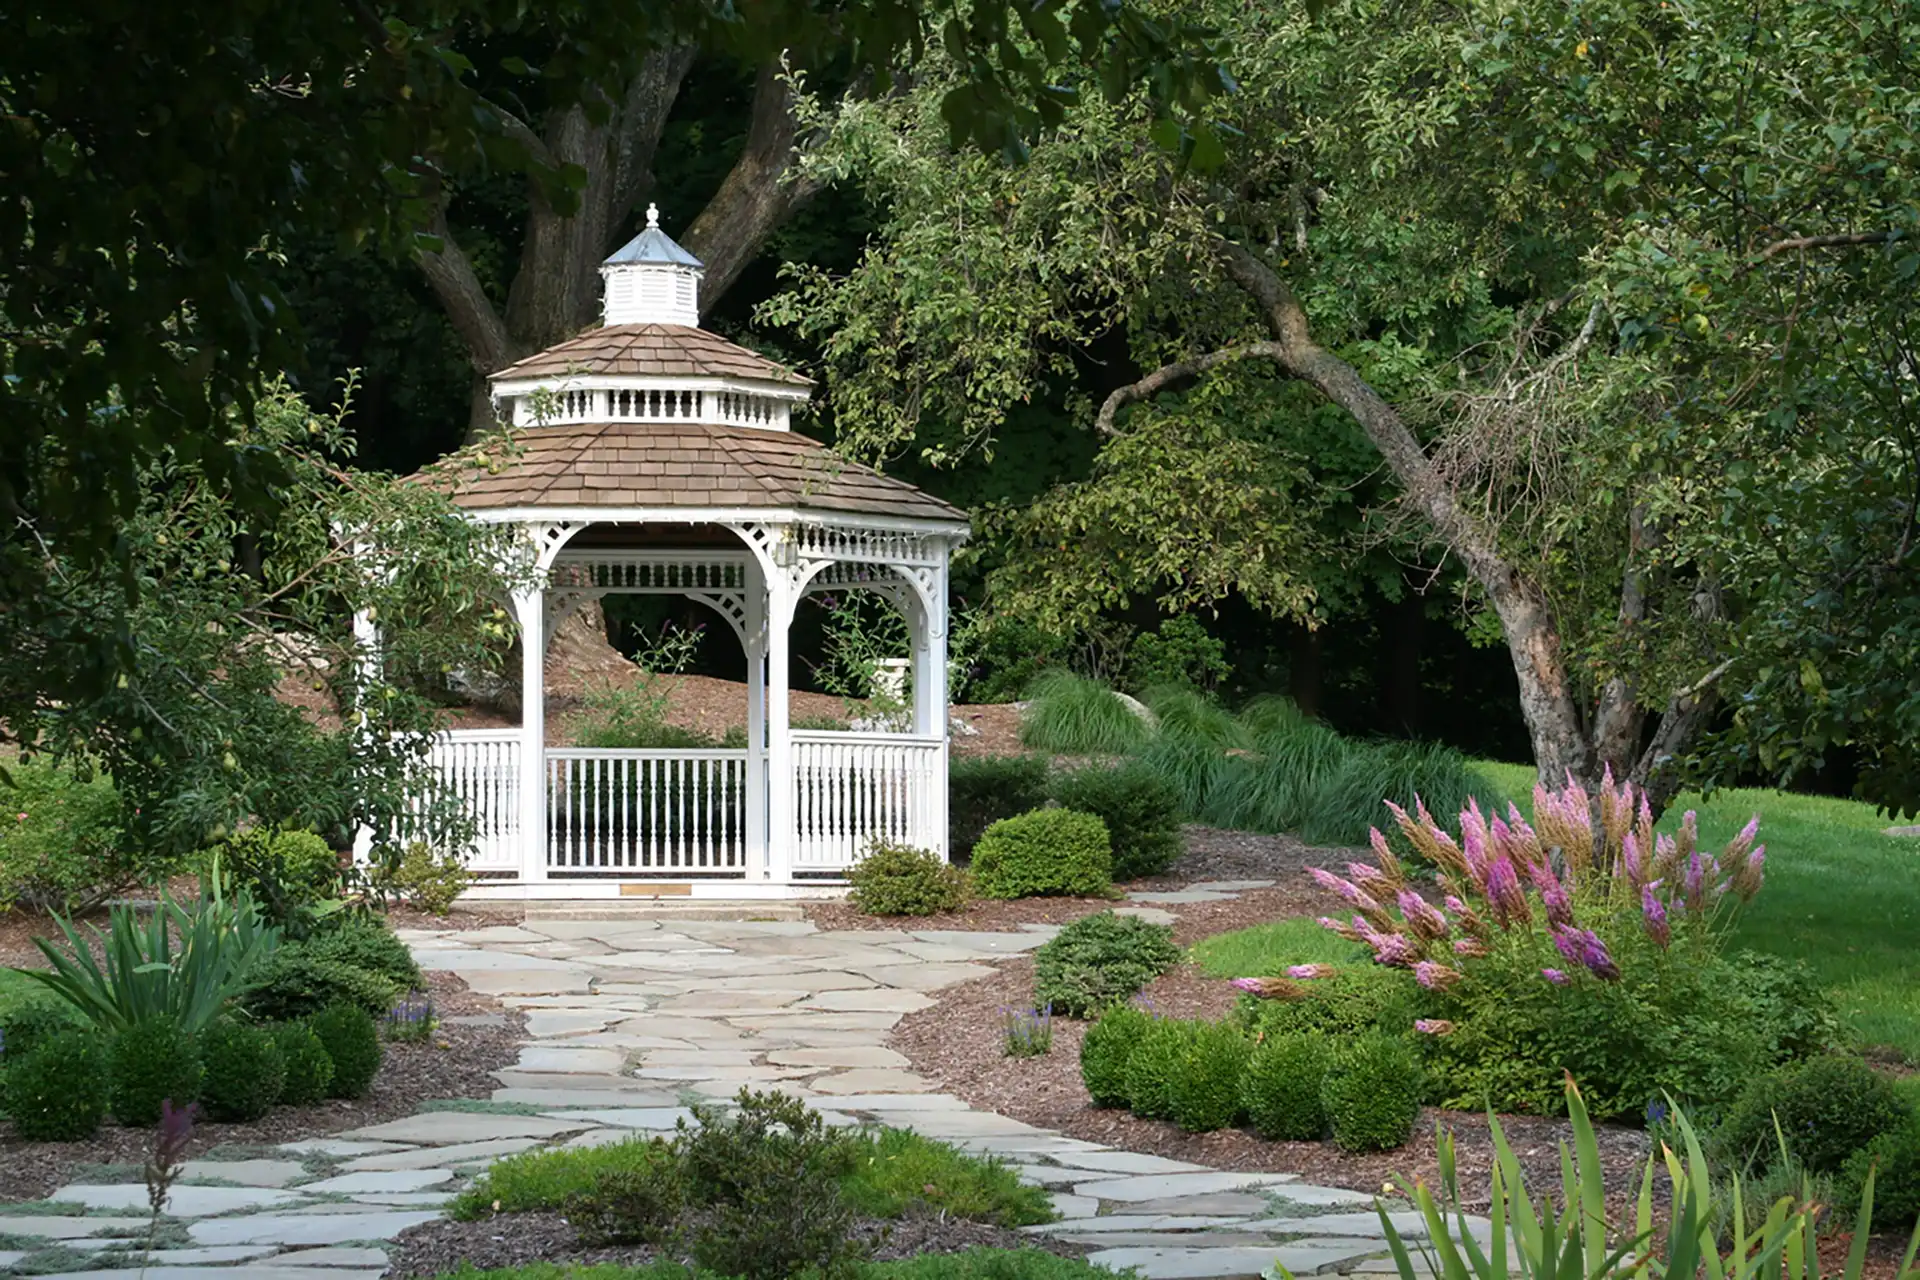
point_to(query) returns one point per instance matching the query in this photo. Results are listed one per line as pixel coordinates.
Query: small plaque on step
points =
(649, 889)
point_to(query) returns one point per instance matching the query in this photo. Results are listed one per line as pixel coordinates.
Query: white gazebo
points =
(657, 458)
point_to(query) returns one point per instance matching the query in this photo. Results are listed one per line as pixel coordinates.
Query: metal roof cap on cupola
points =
(649, 361)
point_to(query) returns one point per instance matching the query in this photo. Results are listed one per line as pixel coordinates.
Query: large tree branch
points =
(1619, 718)
(757, 195)
(1842, 240)
(461, 294)
(643, 117)
(1168, 375)
(1688, 713)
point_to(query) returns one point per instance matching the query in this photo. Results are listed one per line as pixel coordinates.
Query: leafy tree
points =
(1617, 299)
(247, 695)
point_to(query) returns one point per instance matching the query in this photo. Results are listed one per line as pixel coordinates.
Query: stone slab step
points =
(663, 909)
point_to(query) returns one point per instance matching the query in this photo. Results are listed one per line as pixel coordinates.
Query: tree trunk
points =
(1560, 742)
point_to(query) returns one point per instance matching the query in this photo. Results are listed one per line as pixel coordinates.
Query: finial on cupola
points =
(652, 280)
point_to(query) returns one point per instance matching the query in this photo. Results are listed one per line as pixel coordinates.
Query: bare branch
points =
(1843, 240)
(1167, 375)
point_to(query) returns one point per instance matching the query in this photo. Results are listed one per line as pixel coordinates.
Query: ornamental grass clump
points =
(1581, 941)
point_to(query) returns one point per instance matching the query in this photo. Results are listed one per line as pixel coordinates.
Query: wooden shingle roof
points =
(672, 350)
(632, 464)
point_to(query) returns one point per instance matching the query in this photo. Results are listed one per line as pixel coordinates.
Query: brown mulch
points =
(516, 1239)
(458, 1062)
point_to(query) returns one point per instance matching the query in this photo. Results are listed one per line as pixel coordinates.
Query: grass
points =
(1074, 716)
(973, 1264)
(894, 1171)
(1265, 950)
(17, 991)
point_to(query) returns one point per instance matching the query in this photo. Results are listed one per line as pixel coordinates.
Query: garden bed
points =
(515, 1239)
(458, 1062)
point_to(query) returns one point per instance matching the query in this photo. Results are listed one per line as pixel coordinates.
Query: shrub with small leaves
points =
(294, 983)
(1101, 960)
(1827, 1107)
(57, 1090)
(1156, 1058)
(1371, 1093)
(900, 880)
(627, 1206)
(1141, 810)
(1350, 1002)
(244, 1071)
(1894, 1157)
(424, 878)
(1281, 1088)
(309, 1071)
(352, 1041)
(981, 790)
(365, 942)
(151, 1062)
(26, 1025)
(1104, 1052)
(1048, 851)
(1204, 1093)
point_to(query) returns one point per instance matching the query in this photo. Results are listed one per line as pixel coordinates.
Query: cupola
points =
(652, 280)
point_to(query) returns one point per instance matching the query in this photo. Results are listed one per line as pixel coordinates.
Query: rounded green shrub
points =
(1100, 960)
(1156, 1057)
(1204, 1093)
(244, 1071)
(1281, 1088)
(899, 880)
(151, 1062)
(1141, 810)
(1048, 851)
(981, 790)
(352, 1041)
(57, 1090)
(294, 982)
(306, 862)
(366, 943)
(309, 1071)
(1828, 1108)
(1371, 1093)
(1894, 1157)
(27, 1025)
(1104, 1052)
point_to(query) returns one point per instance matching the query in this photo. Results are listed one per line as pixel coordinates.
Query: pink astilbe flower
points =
(1309, 972)
(1422, 917)
(1643, 822)
(1476, 844)
(1372, 881)
(1395, 950)
(1653, 914)
(1346, 931)
(1558, 977)
(1270, 988)
(1347, 890)
(1435, 976)
(1433, 1026)
(1751, 874)
(1633, 863)
(1470, 948)
(1558, 905)
(1584, 947)
(1699, 874)
(1504, 894)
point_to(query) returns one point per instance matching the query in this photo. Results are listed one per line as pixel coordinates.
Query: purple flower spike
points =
(1633, 864)
(1247, 984)
(1433, 1026)
(1395, 950)
(1504, 892)
(1558, 977)
(1435, 976)
(1309, 972)
(1346, 889)
(1584, 947)
(1694, 887)
(1421, 916)
(1559, 906)
(1654, 913)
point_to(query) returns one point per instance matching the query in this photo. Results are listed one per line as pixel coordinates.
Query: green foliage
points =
(352, 1042)
(899, 880)
(896, 1172)
(1371, 1093)
(1099, 961)
(1140, 809)
(27, 1022)
(1072, 715)
(1282, 1086)
(996, 657)
(308, 1069)
(365, 942)
(244, 1071)
(969, 1264)
(1048, 851)
(1105, 1051)
(143, 975)
(1156, 1058)
(981, 790)
(537, 1180)
(62, 847)
(150, 1063)
(1894, 1159)
(1204, 1093)
(1263, 950)
(1189, 717)
(1352, 1002)
(58, 1090)
(1827, 1108)
(425, 878)
(295, 983)
(1180, 653)
(1027, 1033)
(292, 874)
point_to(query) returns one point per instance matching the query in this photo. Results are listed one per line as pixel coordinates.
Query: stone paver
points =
(358, 1184)
(52, 1227)
(448, 1128)
(248, 1173)
(1161, 1186)
(297, 1228)
(441, 1156)
(182, 1201)
(1199, 1262)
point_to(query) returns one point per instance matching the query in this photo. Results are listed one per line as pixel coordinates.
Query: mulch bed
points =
(457, 1063)
(516, 1239)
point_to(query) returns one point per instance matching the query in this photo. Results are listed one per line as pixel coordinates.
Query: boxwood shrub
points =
(1204, 1093)
(151, 1062)
(981, 790)
(1281, 1088)
(1371, 1093)
(1155, 1059)
(1048, 851)
(1141, 810)
(352, 1041)
(1104, 1052)
(57, 1091)
(899, 880)
(1828, 1108)
(244, 1071)
(1100, 960)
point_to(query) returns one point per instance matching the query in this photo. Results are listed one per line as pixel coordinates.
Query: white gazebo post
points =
(529, 606)
(758, 847)
(782, 601)
(930, 715)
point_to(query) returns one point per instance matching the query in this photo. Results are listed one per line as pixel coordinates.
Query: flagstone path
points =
(630, 1019)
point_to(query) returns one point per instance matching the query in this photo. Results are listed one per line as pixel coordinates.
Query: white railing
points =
(850, 788)
(482, 767)
(629, 812)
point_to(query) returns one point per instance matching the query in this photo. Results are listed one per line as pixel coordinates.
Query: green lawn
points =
(1840, 896)
(16, 990)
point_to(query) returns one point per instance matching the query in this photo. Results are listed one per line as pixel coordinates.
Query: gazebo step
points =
(663, 909)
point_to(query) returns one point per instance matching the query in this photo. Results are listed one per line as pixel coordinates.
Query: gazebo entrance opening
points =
(790, 806)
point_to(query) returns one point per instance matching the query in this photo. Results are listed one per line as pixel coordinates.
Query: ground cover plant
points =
(971, 1264)
(1100, 960)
